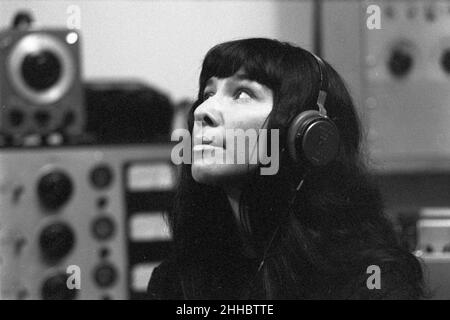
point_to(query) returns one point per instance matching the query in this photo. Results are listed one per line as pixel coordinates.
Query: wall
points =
(164, 42)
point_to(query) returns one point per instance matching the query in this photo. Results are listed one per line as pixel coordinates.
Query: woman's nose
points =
(208, 113)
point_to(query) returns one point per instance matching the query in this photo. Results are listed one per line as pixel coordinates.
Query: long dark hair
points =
(319, 245)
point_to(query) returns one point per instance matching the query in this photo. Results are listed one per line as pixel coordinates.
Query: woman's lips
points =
(201, 147)
(204, 142)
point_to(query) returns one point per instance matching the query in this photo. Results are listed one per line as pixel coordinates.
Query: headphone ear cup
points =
(313, 138)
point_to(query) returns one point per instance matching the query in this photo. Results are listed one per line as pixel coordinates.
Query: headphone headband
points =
(323, 85)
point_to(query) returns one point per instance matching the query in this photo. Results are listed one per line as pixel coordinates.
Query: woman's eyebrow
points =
(234, 80)
(209, 82)
(244, 78)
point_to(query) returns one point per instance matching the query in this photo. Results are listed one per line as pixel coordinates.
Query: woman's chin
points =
(217, 174)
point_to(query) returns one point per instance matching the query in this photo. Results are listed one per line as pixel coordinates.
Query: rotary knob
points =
(105, 275)
(101, 176)
(103, 228)
(54, 189)
(400, 62)
(56, 241)
(55, 288)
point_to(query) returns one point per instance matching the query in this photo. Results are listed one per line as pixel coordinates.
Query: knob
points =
(16, 118)
(102, 202)
(105, 275)
(400, 62)
(446, 248)
(55, 288)
(101, 176)
(42, 118)
(104, 253)
(103, 228)
(54, 189)
(56, 241)
(445, 60)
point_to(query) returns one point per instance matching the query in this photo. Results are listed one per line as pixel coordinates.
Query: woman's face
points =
(229, 104)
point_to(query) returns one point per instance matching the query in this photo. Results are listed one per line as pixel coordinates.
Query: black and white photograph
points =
(224, 155)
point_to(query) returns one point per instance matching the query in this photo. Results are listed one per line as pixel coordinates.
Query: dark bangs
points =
(260, 58)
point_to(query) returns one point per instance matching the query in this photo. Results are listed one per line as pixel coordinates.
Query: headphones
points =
(312, 136)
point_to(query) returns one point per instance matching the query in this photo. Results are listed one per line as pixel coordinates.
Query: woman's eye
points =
(243, 94)
(207, 95)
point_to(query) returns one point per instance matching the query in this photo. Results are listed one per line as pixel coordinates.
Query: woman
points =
(306, 232)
